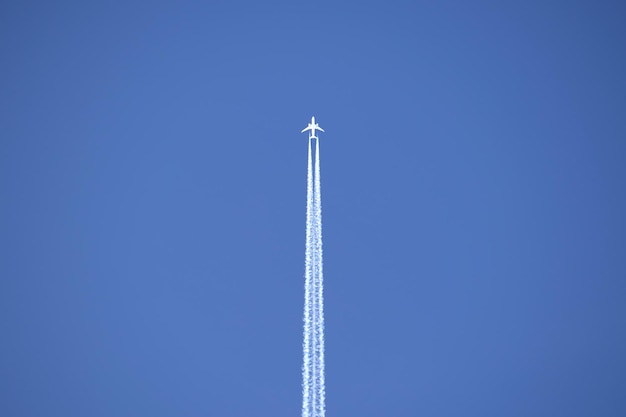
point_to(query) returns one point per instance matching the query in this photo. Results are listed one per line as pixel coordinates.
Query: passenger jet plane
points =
(312, 127)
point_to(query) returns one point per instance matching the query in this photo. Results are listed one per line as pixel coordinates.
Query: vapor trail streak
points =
(307, 367)
(319, 278)
(313, 382)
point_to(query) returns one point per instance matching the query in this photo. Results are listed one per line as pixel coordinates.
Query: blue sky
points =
(152, 190)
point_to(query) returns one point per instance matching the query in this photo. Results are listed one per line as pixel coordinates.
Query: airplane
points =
(312, 127)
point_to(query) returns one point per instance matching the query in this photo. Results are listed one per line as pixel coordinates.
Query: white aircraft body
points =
(312, 127)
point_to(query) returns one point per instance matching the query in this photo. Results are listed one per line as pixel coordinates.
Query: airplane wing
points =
(319, 128)
(305, 129)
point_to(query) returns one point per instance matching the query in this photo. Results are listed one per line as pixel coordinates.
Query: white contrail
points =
(307, 366)
(319, 302)
(313, 382)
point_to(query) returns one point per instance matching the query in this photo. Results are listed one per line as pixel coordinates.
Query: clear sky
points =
(152, 207)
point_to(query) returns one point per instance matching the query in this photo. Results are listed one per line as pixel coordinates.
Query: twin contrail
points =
(313, 385)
